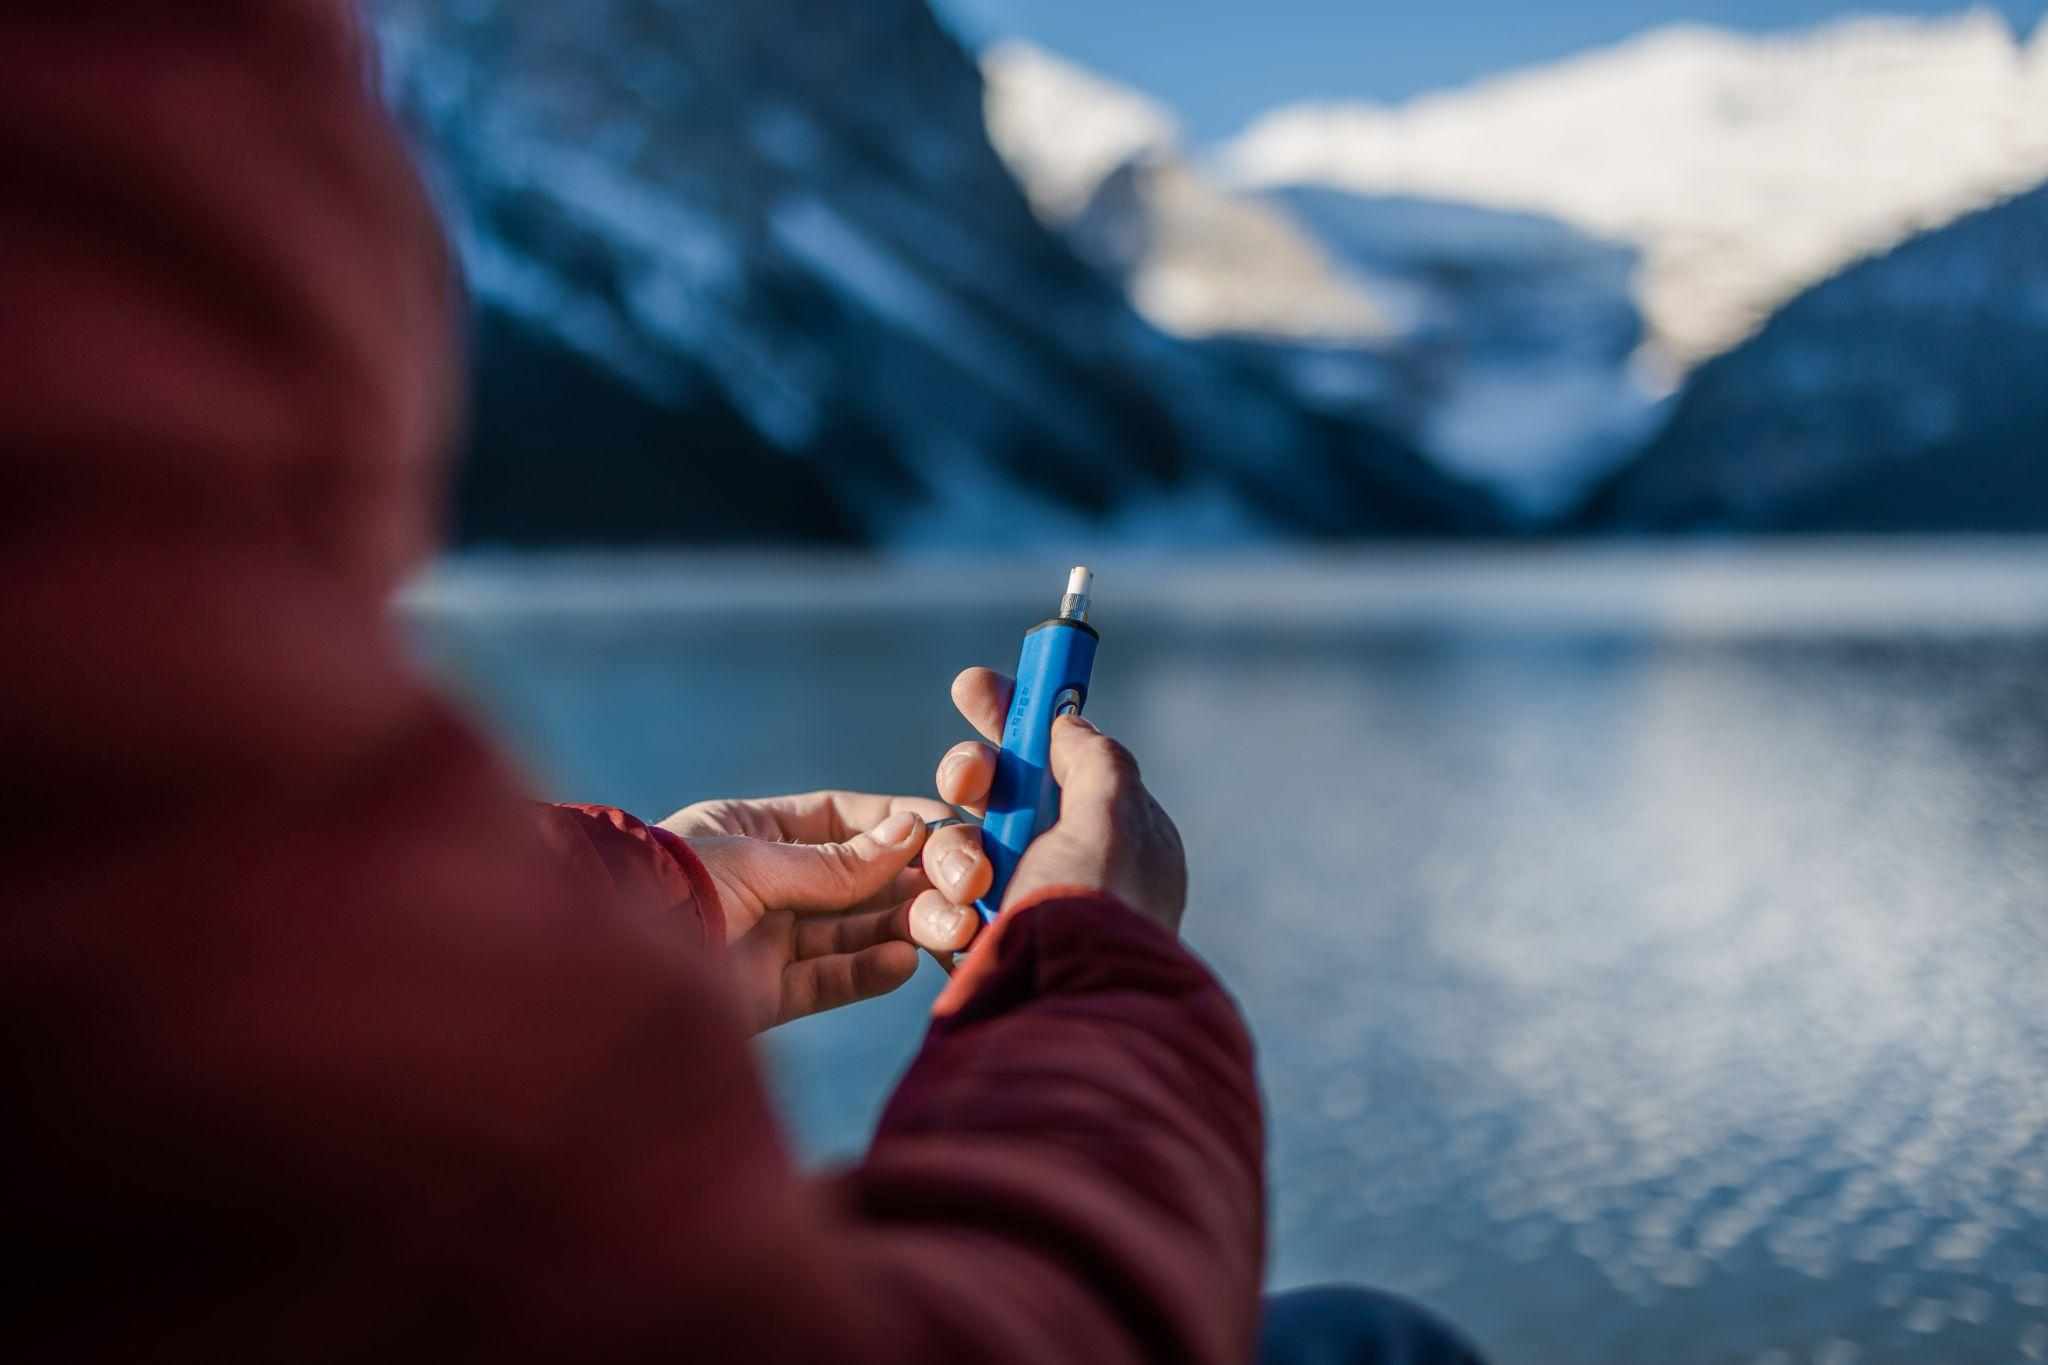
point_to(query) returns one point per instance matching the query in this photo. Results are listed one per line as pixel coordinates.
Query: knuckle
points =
(1126, 793)
(1117, 760)
(1168, 832)
(1121, 792)
(843, 860)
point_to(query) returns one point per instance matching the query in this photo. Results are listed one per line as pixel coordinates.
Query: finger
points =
(957, 864)
(807, 878)
(827, 935)
(827, 983)
(983, 696)
(1093, 771)
(823, 817)
(971, 971)
(902, 890)
(965, 774)
(940, 925)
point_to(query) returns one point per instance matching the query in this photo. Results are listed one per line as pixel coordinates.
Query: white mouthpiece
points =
(1074, 606)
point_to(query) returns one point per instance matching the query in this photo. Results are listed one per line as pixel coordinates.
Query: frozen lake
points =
(1648, 950)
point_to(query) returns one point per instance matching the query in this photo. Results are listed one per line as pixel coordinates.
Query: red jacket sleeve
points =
(638, 863)
(1071, 1168)
(311, 1047)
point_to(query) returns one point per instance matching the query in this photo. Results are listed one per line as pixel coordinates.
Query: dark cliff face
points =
(756, 260)
(1908, 393)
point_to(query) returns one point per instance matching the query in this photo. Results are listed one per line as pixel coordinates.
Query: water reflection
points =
(1630, 993)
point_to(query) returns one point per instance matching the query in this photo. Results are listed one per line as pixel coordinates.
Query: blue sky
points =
(1221, 62)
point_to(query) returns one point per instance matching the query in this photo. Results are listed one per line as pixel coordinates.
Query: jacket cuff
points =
(645, 864)
(1068, 940)
(703, 890)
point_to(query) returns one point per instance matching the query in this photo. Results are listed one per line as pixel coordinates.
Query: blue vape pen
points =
(1052, 681)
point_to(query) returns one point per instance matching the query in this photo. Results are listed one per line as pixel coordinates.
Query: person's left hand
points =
(817, 891)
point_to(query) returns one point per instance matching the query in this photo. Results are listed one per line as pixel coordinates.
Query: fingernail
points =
(949, 920)
(896, 829)
(957, 866)
(950, 769)
(1083, 723)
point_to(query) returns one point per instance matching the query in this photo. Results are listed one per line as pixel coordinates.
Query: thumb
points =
(814, 877)
(1093, 771)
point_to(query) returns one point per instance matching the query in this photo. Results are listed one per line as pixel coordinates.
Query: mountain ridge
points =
(785, 288)
(785, 221)
(1501, 343)
(1550, 253)
(1904, 393)
(1744, 166)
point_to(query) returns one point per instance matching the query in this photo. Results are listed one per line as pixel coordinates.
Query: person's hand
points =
(817, 891)
(1111, 835)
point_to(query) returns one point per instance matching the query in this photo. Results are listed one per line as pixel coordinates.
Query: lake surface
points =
(1648, 950)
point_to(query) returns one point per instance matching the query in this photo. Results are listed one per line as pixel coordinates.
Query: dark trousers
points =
(1339, 1325)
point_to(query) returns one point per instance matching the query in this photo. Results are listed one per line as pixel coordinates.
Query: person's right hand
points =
(1111, 835)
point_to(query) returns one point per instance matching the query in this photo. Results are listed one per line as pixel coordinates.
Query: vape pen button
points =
(1067, 703)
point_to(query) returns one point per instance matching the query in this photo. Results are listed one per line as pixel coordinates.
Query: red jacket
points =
(311, 1048)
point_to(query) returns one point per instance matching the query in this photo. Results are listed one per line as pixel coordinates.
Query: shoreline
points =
(1825, 587)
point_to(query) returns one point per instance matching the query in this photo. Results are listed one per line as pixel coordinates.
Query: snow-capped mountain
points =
(1500, 342)
(1908, 393)
(1110, 168)
(756, 261)
(1519, 341)
(1529, 265)
(1743, 169)
(1064, 129)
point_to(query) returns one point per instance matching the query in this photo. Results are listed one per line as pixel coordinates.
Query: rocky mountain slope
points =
(750, 269)
(1909, 393)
